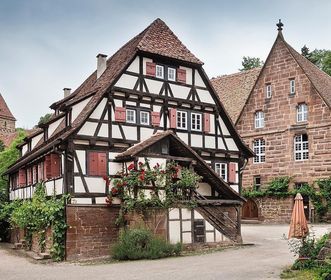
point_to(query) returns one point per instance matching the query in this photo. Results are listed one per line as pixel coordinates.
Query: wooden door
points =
(199, 231)
(250, 210)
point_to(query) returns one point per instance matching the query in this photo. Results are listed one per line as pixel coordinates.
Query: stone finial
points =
(280, 25)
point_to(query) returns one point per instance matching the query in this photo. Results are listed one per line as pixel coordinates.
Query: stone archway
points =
(250, 210)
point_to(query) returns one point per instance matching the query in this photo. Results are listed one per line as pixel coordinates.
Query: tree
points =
(250, 63)
(44, 119)
(320, 57)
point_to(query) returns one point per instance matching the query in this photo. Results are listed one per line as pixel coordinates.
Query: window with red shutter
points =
(120, 114)
(55, 165)
(29, 173)
(22, 177)
(150, 69)
(155, 118)
(181, 75)
(97, 164)
(173, 117)
(232, 172)
(48, 167)
(102, 164)
(206, 126)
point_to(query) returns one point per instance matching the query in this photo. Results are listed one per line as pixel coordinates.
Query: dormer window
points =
(159, 71)
(171, 74)
(268, 90)
(292, 86)
(259, 119)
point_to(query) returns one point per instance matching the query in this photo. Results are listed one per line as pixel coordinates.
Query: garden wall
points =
(91, 231)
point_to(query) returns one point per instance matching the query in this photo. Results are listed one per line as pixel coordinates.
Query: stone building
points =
(282, 111)
(7, 120)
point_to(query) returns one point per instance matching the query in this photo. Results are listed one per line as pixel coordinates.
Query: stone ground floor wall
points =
(91, 231)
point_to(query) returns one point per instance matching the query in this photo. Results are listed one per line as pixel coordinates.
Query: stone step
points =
(45, 256)
(250, 221)
(18, 246)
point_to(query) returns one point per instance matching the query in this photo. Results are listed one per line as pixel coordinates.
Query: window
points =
(268, 91)
(259, 150)
(300, 185)
(130, 116)
(292, 86)
(97, 163)
(301, 147)
(159, 71)
(222, 170)
(302, 112)
(144, 117)
(181, 119)
(171, 74)
(259, 119)
(257, 183)
(196, 121)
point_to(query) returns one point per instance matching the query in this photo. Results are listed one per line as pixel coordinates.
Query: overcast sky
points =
(48, 45)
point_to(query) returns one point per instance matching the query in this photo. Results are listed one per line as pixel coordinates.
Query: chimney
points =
(101, 64)
(66, 92)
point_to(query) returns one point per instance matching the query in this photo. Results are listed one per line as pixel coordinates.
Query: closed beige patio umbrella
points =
(298, 226)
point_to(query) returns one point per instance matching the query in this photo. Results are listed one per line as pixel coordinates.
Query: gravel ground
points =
(264, 260)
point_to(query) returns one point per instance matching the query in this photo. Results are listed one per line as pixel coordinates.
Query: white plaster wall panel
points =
(183, 136)
(198, 80)
(225, 130)
(81, 155)
(208, 226)
(96, 184)
(36, 139)
(154, 87)
(145, 105)
(103, 132)
(187, 237)
(53, 126)
(180, 91)
(131, 103)
(145, 133)
(101, 143)
(148, 194)
(186, 213)
(212, 123)
(49, 188)
(235, 187)
(156, 108)
(130, 132)
(79, 187)
(78, 108)
(204, 189)
(116, 133)
(126, 81)
(100, 200)
(161, 121)
(188, 74)
(218, 236)
(119, 94)
(174, 231)
(81, 200)
(220, 155)
(134, 66)
(210, 142)
(88, 129)
(114, 168)
(154, 161)
(231, 144)
(24, 149)
(205, 96)
(112, 155)
(97, 112)
(196, 140)
(59, 186)
(186, 105)
(145, 59)
(197, 215)
(221, 143)
(147, 99)
(210, 237)
(173, 213)
(186, 226)
(118, 103)
(81, 142)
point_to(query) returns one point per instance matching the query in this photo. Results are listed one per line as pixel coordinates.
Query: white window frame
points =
(127, 114)
(179, 120)
(302, 112)
(173, 70)
(159, 71)
(259, 150)
(257, 186)
(259, 119)
(292, 86)
(301, 148)
(221, 168)
(268, 88)
(196, 121)
(147, 118)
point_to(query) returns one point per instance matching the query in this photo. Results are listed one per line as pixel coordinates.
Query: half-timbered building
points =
(150, 100)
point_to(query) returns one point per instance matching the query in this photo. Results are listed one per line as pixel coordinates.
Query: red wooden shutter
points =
(150, 69)
(93, 163)
(48, 167)
(102, 164)
(232, 172)
(55, 165)
(34, 174)
(120, 114)
(29, 173)
(155, 119)
(21, 177)
(173, 117)
(206, 126)
(181, 75)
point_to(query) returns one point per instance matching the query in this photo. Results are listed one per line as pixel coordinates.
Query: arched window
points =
(302, 112)
(301, 151)
(259, 119)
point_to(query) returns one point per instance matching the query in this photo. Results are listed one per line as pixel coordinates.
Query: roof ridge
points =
(237, 73)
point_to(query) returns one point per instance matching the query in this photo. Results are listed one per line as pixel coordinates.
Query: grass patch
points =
(300, 274)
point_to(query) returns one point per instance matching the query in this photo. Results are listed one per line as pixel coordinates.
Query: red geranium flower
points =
(140, 163)
(114, 191)
(131, 166)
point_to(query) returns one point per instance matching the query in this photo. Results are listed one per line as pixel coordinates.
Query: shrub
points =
(138, 244)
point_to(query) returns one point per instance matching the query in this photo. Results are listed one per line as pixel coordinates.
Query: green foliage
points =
(138, 244)
(2, 146)
(252, 193)
(44, 119)
(321, 58)
(250, 63)
(278, 186)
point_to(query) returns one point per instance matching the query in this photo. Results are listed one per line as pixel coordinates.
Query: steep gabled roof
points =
(4, 110)
(234, 89)
(181, 148)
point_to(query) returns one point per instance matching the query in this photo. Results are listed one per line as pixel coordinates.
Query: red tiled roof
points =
(234, 89)
(4, 110)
